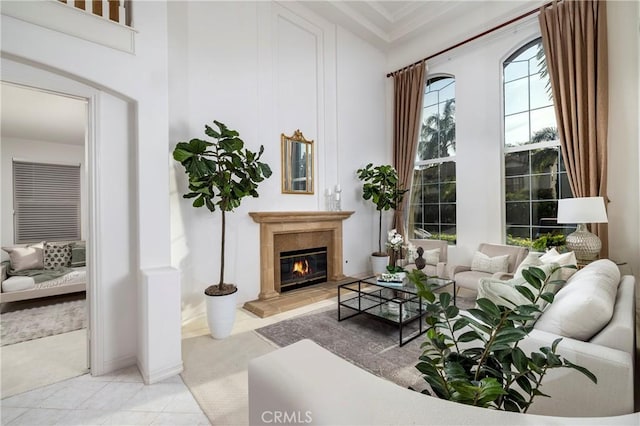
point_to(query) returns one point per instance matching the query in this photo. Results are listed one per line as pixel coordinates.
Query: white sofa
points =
(304, 377)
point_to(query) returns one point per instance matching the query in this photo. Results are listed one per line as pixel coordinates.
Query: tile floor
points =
(120, 398)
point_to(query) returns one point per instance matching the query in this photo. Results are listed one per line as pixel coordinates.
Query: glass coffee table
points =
(395, 303)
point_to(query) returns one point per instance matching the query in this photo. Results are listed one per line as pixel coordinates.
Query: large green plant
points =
(474, 359)
(381, 187)
(221, 174)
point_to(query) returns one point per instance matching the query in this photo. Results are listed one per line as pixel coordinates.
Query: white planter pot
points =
(221, 314)
(379, 264)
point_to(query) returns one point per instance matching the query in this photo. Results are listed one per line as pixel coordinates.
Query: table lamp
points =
(581, 211)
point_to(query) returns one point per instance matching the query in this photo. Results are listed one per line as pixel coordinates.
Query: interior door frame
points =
(31, 77)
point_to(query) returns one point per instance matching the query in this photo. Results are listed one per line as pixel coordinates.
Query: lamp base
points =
(584, 244)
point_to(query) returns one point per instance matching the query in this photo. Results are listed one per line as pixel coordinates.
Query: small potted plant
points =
(221, 174)
(381, 186)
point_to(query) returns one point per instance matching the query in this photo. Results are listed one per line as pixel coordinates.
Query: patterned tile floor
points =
(120, 398)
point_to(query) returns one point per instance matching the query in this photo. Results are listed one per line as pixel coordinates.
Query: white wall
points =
(130, 100)
(283, 69)
(477, 68)
(38, 152)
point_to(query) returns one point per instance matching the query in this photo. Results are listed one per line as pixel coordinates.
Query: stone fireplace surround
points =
(287, 231)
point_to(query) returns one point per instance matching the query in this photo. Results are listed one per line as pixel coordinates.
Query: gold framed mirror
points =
(297, 164)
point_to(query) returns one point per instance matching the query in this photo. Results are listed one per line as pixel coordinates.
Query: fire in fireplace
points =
(302, 268)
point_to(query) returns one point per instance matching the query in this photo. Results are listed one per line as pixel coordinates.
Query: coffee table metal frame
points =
(378, 299)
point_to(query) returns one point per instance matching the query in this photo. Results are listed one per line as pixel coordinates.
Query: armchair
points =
(468, 276)
(432, 268)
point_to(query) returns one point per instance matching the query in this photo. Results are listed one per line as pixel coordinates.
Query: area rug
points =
(215, 371)
(34, 323)
(369, 343)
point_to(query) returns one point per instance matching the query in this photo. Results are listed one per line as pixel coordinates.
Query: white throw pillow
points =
(483, 263)
(585, 305)
(501, 292)
(562, 259)
(432, 257)
(29, 256)
(532, 259)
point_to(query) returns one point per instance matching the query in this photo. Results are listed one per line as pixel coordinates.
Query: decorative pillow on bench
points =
(26, 256)
(57, 254)
(78, 254)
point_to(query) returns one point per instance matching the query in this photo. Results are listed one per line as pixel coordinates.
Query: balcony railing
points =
(108, 23)
(115, 10)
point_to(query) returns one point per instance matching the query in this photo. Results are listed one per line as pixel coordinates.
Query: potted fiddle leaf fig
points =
(381, 186)
(221, 174)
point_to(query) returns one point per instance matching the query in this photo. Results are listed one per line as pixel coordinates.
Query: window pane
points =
(544, 160)
(544, 187)
(540, 91)
(516, 129)
(565, 188)
(448, 171)
(430, 213)
(430, 98)
(448, 213)
(519, 232)
(431, 193)
(448, 91)
(543, 211)
(448, 192)
(515, 70)
(516, 163)
(516, 96)
(517, 188)
(517, 213)
(542, 122)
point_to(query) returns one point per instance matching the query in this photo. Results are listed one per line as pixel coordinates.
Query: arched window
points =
(535, 177)
(432, 211)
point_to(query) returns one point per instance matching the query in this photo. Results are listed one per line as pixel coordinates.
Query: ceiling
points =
(41, 116)
(383, 22)
(388, 23)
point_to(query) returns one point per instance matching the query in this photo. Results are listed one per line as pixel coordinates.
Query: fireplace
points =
(296, 234)
(302, 268)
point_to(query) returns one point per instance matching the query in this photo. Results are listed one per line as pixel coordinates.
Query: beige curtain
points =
(574, 35)
(408, 90)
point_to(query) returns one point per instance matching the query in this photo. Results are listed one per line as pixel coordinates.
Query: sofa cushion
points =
(26, 256)
(584, 305)
(17, 283)
(57, 254)
(483, 263)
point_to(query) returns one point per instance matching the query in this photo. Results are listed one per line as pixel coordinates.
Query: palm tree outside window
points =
(432, 212)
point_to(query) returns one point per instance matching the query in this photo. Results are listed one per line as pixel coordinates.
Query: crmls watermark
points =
(286, 417)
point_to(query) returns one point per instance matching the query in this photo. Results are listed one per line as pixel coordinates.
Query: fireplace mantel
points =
(291, 217)
(274, 224)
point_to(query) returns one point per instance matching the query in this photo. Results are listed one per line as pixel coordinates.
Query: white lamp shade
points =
(582, 210)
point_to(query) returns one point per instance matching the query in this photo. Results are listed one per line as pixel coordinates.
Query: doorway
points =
(44, 166)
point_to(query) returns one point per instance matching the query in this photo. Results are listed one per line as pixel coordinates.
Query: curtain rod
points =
(497, 27)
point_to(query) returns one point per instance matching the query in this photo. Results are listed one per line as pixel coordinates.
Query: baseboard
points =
(160, 375)
(111, 366)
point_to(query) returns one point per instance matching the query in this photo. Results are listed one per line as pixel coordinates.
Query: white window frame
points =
(440, 160)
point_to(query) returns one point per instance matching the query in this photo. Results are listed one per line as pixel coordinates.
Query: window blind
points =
(46, 200)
